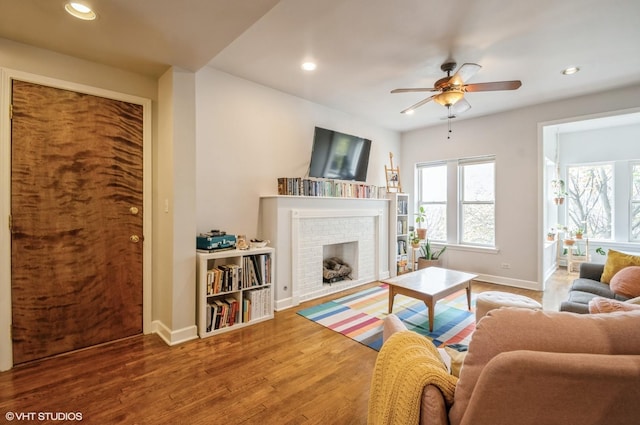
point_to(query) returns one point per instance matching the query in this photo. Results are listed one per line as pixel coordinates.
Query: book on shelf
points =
(402, 207)
(222, 313)
(257, 303)
(307, 186)
(224, 278)
(257, 270)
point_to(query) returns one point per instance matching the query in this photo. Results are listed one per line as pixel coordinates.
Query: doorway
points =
(593, 158)
(77, 185)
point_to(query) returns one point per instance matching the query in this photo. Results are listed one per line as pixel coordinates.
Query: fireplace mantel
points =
(298, 228)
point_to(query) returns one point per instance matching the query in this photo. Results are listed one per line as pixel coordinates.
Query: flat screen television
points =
(339, 156)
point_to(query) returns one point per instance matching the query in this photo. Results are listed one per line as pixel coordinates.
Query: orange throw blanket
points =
(406, 363)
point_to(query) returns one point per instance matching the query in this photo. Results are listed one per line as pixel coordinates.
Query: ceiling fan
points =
(452, 89)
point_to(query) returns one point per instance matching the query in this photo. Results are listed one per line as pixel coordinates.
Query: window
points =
(590, 200)
(477, 202)
(635, 202)
(432, 189)
(459, 200)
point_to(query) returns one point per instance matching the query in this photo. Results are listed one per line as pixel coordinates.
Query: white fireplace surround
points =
(311, 230)
(300, 226)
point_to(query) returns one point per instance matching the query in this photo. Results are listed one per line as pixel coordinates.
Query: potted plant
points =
(551, 235)
(420, 217)
(578, 232)
(429, 257)
(414, 240)
(559, 191)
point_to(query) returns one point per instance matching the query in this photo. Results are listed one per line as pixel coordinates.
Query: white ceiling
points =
(364, 48)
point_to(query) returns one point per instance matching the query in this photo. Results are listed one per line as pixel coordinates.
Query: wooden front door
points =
(76, 220)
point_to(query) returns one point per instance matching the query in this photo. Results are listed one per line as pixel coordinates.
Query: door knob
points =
(134, 238)
(133, 210)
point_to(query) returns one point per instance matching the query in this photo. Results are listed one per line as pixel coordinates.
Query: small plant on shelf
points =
(579, 232)
(414, 240)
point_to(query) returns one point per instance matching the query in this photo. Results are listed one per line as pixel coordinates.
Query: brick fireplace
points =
(305, 231)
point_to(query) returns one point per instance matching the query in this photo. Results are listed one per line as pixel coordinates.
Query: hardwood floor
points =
(283, 371)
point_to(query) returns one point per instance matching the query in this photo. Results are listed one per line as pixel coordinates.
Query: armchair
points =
(534, 367)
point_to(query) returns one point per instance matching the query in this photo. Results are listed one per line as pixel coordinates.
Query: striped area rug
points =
(359, 316)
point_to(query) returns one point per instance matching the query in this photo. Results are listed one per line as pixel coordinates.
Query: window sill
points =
(473, 248)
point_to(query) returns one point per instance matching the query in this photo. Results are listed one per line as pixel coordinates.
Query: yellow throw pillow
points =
(616, 261)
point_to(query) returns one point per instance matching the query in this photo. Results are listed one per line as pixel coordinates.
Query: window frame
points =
(633, 202)
(611, 194)
(454, 199)
(462, 202)
(420, 202)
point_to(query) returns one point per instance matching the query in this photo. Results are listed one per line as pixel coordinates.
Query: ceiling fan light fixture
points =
(449, 97)
(80, 11)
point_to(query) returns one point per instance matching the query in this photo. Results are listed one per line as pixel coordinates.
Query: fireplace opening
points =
(334, 269)
(339, 262)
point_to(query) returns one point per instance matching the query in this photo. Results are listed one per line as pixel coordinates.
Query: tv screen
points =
(339, 156)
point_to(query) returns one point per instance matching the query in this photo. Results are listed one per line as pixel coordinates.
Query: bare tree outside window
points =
(635, 202)
(478, 203)
(433, 198)
(590, 200)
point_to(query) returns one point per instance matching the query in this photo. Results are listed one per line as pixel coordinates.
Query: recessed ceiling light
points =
(309, 66)
(570, 70)
(80, 11)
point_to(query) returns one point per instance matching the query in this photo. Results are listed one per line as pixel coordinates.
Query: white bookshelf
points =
(234, 275)
(398, 232)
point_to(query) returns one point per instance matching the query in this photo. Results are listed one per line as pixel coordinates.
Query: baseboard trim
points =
(285, 304)
(171, 337)
(517, 283)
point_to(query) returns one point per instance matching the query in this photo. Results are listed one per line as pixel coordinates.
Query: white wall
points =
(248, 135)
(515, 139)
(174, 296)
(599, 145)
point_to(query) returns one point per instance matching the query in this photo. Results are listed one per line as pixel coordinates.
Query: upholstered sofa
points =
(586, 287)
(534, 367)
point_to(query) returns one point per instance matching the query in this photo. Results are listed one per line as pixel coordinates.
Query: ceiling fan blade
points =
(417, 105)
(466, 71)
(417, 89)
(459, 107)
(497, 85)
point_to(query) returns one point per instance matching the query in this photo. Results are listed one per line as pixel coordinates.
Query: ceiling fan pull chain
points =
(449, 122)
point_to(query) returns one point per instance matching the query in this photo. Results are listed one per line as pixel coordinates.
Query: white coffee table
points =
(429, 285)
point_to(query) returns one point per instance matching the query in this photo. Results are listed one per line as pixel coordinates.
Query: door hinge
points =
(11, 111)
(10, 222)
